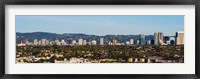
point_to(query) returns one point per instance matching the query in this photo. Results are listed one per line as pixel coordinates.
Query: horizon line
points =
(97, 35)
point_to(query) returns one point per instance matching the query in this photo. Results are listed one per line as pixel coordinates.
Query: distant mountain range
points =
(75, 36)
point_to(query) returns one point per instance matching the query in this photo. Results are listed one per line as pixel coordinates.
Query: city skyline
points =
(158, 39)
(101, 25)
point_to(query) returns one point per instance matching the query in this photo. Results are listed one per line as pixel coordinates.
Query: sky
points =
(100, 24)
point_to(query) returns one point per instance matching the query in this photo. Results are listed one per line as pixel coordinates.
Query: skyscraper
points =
(39, 42)
(35, 42)
(179, 38)
(84, 42)
(158, 38)
(63, 42)
(73, 42)
(114, 42)
(131, 41)
(137, 42)
(43, 42)
(80, 41)
(141, 39)
(101, 41)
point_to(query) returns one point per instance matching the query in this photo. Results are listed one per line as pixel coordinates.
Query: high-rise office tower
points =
(141, 39)
(137, 42)
(43, 42)
(84, 42)
(158, 38)
(114, 42)
(35, 42)
(39, 42)
(131, 41)
(63, 42)
(179, 38)
(101, 41)
(80, 41)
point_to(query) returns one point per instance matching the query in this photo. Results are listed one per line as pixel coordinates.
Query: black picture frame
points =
(99, 2)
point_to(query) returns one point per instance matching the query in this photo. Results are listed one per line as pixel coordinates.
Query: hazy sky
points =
(101, 25)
